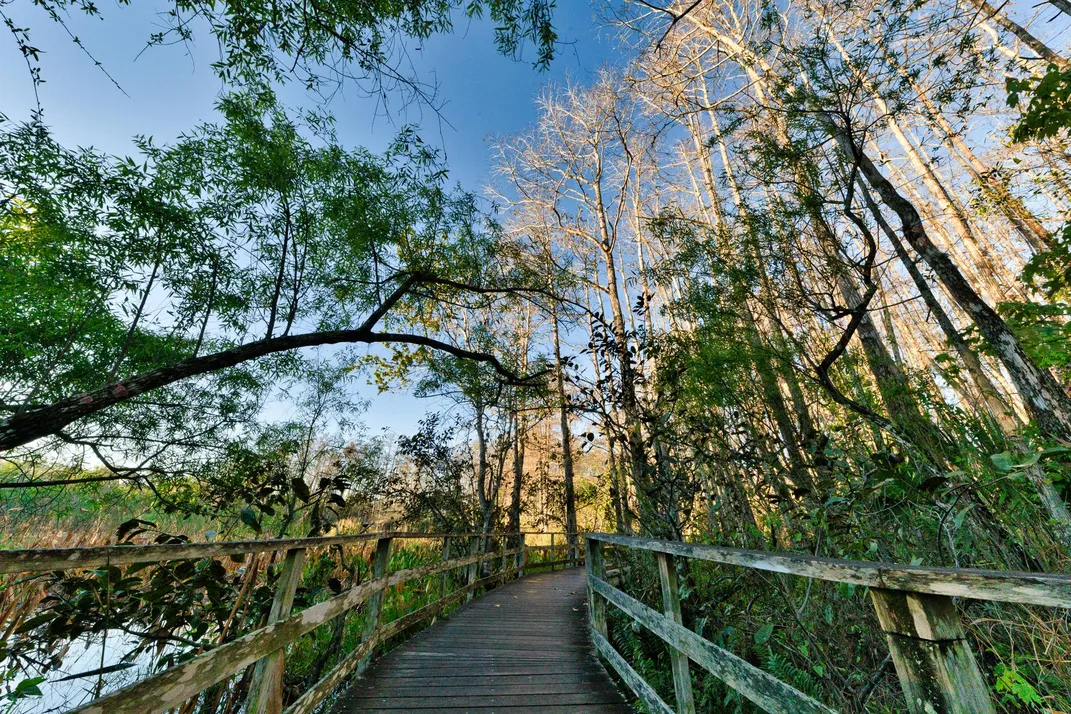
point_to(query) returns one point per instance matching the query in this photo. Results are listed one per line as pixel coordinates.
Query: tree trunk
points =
(482, 467)
(1026, 223)
(618, 485)
(1028, 39)
(1044, 397)
(277, 293)
(976, 371)
(518, 473)
(567, 441)
(771, 388)
(893, 386)
(636, 453)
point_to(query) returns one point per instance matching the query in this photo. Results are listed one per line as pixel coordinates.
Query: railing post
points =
(375, 603)
(596, 567)
(446, 557)
(522, 557)
(553, 555)
(266, 688)
(933, 659)
(474, 568)
(671, 605)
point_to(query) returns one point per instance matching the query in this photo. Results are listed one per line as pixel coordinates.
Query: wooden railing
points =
(934, 662)
(264, 648)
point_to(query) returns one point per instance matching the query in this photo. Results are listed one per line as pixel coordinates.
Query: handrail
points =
(764, 689)
(43, 560)
(1048, 589)
(265, 646)
(928, 646)
(177, 684)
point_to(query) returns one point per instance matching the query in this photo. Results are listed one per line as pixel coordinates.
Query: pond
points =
(63, 689)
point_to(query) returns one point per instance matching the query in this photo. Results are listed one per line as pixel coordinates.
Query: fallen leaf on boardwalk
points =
(497, 605)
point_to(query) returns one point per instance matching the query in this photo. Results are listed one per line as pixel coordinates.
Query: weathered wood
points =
(474, 569)
(446, 557)
(552, 548)
(993, 585)
(596, 570)
(934, 661)
(643, 691)
(374, 608)
(765, 690)
(522, 647)
(530, 566)
(177, 684)
(53, 559)
(312, 698)
(317, 693)
(551, 564)
(671, 604)
(43, 560)
(266, 688)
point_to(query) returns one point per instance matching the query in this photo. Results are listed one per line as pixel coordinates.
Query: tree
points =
(250, 240)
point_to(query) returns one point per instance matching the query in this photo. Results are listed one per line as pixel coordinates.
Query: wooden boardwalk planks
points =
(521, 648)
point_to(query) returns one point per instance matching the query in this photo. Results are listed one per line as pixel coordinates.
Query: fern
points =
(786, 670)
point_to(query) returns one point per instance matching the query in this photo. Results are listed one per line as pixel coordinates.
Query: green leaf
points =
(27, 688)
(301, 489)
(1003, 461)
(762, 635)
(250, 519)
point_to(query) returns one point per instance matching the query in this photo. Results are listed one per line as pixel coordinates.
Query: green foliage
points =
(177, 610)
(1016, 690)
(25, 688)
(432, 495)
(1047, 100)
(260, 226)
(1042, 327)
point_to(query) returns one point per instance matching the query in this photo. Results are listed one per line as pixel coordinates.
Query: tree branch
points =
(26, 426)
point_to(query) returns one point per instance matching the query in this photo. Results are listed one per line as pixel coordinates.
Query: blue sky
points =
(171, 89)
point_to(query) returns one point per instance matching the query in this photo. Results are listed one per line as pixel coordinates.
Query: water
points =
(84, 655)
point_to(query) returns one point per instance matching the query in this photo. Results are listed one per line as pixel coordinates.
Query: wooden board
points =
(1049, 589)
(632, 678)
(42, 560)
(521, 648)
(765, 690)
(175, 685)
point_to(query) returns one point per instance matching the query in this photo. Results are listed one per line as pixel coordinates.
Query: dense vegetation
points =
(796, 277)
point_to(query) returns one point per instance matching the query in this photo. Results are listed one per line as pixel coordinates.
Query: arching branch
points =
(23, 427)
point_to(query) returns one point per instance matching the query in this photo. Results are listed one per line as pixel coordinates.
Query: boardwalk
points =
(521, 648)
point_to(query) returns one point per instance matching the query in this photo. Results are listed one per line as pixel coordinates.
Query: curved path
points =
(521, 648)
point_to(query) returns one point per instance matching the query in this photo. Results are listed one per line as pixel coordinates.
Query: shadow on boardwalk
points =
(521, 648)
